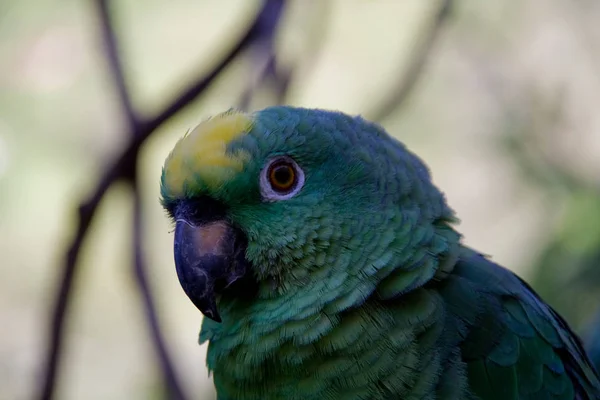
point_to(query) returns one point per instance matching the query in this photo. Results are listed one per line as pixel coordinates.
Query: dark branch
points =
(265, 58)
(124, 167)
(114, 61)
(268, 69)
(408, 80)
(174, 388)
(265, 25)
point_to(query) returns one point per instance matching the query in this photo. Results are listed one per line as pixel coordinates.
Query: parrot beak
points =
(209, 257)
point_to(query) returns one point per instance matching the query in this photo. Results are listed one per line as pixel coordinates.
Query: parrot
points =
(327, 265)
(592, 336)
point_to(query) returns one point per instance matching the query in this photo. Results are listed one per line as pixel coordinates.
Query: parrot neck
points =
(345, 318)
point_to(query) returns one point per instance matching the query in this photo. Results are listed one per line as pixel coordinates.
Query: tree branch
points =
(408, 80)
(115, 64)
(174, 387)
(124, 168)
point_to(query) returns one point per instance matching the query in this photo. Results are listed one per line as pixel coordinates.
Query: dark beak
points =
(209, 258)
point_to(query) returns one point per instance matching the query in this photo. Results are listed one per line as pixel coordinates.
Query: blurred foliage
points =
(504, 113)
(566, 270)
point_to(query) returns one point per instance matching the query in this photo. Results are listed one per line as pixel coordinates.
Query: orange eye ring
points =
(282, 176)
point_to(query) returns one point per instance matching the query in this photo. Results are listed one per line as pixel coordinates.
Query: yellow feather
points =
(202, 153)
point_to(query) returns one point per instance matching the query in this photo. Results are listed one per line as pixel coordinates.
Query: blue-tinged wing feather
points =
(517, 346)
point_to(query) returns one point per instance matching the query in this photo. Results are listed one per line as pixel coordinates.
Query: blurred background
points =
(500, 98)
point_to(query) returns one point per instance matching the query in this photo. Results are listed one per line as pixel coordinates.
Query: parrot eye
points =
(281, 179)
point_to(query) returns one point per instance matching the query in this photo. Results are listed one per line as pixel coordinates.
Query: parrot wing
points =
(593, 341)
(518, 347)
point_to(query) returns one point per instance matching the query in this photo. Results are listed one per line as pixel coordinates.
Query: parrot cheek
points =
(209, 258)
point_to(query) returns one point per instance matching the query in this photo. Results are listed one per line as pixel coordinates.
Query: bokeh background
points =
(504, 109)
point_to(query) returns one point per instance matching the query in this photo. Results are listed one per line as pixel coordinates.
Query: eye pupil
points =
(282, 174)
(282, 177)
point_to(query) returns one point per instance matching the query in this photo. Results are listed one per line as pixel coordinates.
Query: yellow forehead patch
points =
(202, 153)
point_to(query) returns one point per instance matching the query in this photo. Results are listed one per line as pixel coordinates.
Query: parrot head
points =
(288, 201)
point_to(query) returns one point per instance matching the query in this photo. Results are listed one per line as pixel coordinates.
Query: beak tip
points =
(212, 313)
(216, 318)
(206, 304)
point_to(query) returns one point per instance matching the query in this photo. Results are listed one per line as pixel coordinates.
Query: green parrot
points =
(593, 341)
(328, 266)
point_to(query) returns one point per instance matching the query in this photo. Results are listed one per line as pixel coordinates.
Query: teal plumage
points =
(356, 286)
(593, 341)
